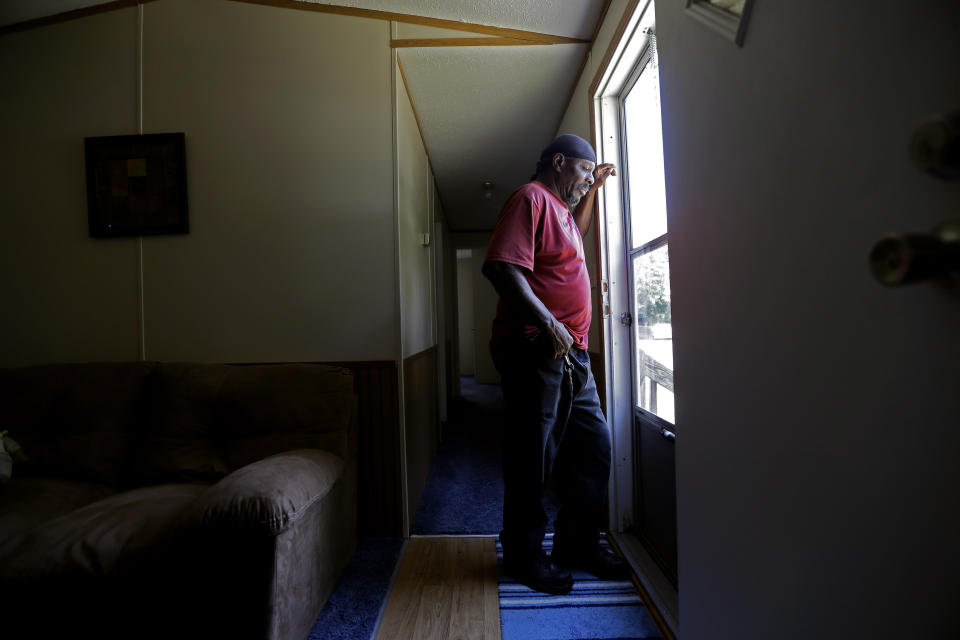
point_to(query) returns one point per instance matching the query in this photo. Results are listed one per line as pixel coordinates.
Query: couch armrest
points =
(272, 493)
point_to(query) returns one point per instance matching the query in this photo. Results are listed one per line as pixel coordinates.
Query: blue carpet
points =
(464, 491)
(594, 610)
(354, 608)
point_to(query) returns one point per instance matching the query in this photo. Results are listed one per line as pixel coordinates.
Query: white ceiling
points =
(485, 111)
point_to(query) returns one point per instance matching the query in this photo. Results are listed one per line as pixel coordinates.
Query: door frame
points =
(628, 44)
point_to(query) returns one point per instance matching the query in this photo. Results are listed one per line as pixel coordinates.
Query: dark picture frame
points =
(136, 185)
(730, 24)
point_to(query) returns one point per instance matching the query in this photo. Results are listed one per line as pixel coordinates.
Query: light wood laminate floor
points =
(446, 588)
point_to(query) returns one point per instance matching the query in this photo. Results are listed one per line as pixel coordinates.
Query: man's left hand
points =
(602, 172)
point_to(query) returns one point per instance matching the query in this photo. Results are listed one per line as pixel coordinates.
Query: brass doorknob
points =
(935, 145)
(906, 258)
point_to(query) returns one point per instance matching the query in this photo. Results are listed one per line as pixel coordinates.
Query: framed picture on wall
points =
(136, 184)
(727, 17)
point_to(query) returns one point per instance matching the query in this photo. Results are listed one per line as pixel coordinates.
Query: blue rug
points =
(354, 608)
(594, 610)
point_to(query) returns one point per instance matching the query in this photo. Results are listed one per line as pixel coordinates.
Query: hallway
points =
(464, 492)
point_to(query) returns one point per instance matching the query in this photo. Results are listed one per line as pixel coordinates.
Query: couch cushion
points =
(28, 502)
(267, 409)
(270, 494)
(103, 538)
(73, 420)
(180, 441)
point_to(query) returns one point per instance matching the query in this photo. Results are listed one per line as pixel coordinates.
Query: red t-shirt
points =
(537, 232)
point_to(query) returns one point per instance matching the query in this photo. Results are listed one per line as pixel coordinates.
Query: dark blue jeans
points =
(554, 432)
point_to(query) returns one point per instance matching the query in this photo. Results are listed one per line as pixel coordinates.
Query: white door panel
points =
(818, 471)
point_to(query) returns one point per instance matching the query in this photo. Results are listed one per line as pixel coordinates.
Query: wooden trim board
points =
(658, 595)
(611, 48)
(421, 428)
(456, 25)
(465, 42)
(83, 12)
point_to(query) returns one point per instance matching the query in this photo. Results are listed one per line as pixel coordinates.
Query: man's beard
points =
(573, 198)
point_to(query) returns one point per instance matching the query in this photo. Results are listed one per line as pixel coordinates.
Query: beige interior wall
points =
(291, 249)
(64, 296)
(414, 202)
(290, 255)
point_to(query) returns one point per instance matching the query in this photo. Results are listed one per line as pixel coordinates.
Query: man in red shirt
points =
(555, 431)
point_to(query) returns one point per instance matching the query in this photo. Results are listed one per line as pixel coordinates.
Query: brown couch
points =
(175, 500)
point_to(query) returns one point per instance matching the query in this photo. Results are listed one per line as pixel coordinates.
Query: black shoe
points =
(540, 574)
(598, 562)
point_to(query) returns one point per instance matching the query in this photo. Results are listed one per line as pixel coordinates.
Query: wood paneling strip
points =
(599, 376)
(456, 25)
(611, 48)
(464, 42)
(379, 486)
(422, 425)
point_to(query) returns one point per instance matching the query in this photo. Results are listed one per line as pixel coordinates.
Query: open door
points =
(819, 458)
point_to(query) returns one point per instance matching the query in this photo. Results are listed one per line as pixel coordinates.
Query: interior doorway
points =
(465, 319)
(464, 492)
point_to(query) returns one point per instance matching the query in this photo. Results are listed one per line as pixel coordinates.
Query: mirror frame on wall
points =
(726, 23)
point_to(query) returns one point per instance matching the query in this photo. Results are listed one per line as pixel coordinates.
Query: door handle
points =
(906, 258)
(666, 433)
(935, 145)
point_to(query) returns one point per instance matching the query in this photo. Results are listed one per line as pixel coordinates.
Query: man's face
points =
(574, 179)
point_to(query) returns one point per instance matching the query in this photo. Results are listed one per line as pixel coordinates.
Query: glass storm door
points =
(652, 337)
